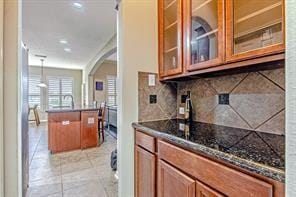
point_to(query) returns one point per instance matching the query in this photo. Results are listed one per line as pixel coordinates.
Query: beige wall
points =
(106, 68)
(76, 74)
(1, 100)
(12, 98)
(137, 51)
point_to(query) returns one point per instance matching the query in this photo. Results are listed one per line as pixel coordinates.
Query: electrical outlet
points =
(224, 99)
(151, 80)
(181, 110)
(152, 99)
(181, 126)
(183, 98)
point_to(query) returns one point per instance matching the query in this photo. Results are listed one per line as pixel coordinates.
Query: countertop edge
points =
(70, 110)
(261, 169)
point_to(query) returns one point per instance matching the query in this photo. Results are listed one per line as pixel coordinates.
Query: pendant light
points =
(42, 83)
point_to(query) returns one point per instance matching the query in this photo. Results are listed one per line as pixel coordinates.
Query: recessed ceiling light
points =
(77, 5)
(67, 49)
(63, 41)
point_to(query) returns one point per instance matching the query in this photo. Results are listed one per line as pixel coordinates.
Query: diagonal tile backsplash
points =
(166, 102)
(256, 100)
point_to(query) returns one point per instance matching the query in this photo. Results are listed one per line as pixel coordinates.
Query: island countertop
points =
(76, 108)
(260, 153)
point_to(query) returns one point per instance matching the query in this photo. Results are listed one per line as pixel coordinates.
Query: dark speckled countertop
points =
(257, 152)
(76, 108)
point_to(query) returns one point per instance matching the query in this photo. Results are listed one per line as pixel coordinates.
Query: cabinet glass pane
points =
(204, 30)
(257, 24)
(170, 34)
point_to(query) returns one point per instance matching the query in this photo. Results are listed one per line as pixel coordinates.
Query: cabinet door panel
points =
(204, 191)
(173, 183)
(254, 28)
(89, 129)
(204, 33)
(68, 136)
(145, 172)
(170, 37)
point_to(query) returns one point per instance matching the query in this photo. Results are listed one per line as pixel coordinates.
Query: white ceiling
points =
(87, 30)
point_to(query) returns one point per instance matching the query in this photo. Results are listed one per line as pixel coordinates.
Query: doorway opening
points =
(78, 96)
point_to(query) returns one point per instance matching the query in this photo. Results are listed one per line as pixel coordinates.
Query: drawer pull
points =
(66, 122)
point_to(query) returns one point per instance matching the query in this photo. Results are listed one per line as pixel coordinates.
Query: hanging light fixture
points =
(42, 83)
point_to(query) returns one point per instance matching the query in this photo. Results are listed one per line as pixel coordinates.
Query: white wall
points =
(105, 69)
(1, 101)
(12, 72)
(290, 98)
(137, 51)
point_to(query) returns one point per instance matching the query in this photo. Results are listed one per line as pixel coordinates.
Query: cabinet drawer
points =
(64, 116)
(145, 141)
(222, 178)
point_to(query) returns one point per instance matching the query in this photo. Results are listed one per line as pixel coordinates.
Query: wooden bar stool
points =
(36, 114)
(101, 120)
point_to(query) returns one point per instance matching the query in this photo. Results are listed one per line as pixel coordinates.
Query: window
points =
(58, 87)
(34, 91)
(111, 90)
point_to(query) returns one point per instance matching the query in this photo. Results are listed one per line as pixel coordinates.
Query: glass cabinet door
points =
(256, 27)
(170, 28)
(204, 33)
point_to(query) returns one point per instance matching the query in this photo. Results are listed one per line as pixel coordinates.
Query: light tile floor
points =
(81, 173)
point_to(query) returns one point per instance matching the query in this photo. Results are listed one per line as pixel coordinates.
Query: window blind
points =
(34, 91)
(58, 87)
(111, 90)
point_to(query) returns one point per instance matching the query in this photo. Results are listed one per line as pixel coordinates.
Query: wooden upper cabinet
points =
(173, 183)
(203, 33)
(170, 37)
(254, 28)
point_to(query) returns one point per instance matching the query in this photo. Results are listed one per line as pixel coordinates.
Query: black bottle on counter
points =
(188, 111)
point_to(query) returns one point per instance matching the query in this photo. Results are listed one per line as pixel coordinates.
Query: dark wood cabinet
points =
(204, 33)
(145, 173)
(200, 36)
(204, 191)
(89, 129)
(174, 183)
(63, 131)
(254, 28)
(181, 173)
(170, 37)
(72, 130)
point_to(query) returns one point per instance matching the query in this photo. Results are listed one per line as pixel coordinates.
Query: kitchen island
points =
(72, 128)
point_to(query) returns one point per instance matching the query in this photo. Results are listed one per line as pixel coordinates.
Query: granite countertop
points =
(261, 153)
(70, 109)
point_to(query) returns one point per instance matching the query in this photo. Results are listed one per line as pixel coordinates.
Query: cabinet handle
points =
(65, 122)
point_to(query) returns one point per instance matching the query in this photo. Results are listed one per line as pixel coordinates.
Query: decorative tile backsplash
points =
(256, 100)
(162, 95)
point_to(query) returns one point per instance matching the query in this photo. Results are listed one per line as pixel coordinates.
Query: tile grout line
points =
(241, 117)
(269, 118)
(239, 83)
(271, 81)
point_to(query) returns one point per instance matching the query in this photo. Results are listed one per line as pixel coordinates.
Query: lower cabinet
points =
(166, 170)
(89, 129)
(145, 173)
(174, 183)
(204, 191)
